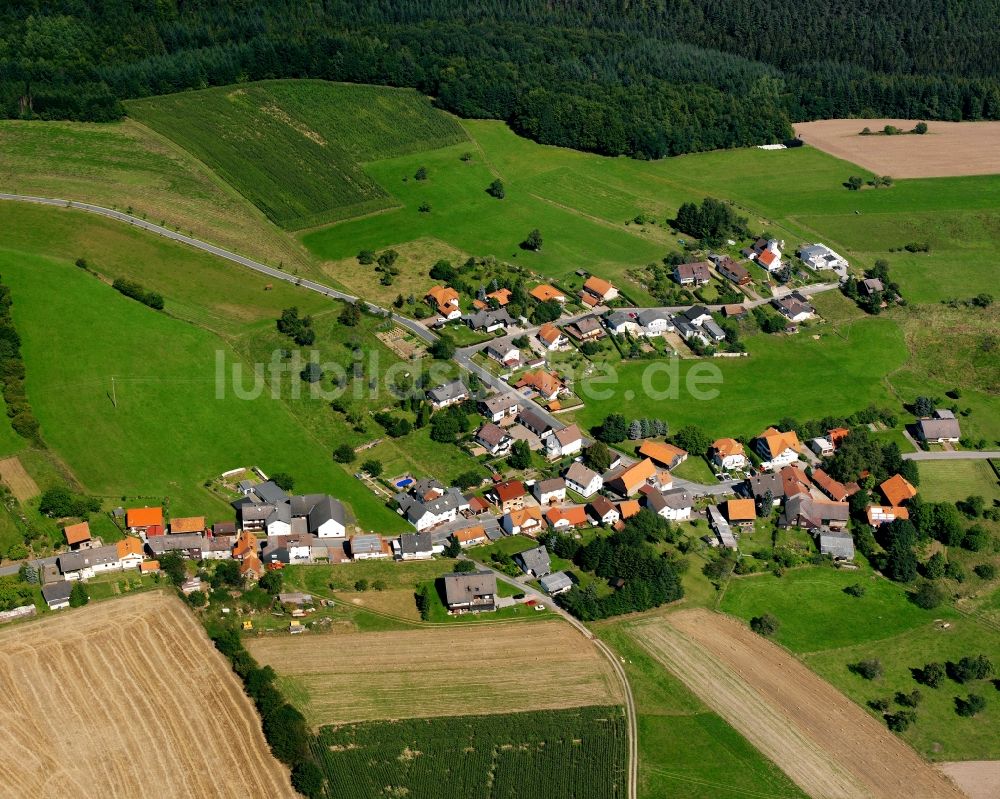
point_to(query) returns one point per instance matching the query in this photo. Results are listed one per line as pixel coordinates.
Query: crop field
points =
(125, 165)
(551, 754)
(123, 699)
(757, 391)
(320, 130)
(823, 742)
(948, 148)
(416, 673)
(19, 482)
(169, 431)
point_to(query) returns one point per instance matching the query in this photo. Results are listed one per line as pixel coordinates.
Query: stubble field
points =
(127, 699)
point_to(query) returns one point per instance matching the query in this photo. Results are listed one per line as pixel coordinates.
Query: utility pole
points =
(114, 398)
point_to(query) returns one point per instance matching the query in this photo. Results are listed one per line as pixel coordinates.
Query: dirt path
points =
(825, 743)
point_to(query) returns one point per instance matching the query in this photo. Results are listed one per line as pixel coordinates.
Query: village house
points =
(495, 299)
(803, 510)
(217, 547)
(85, 563)
(489, 321)
(272, 510)
(550, 491)
(696, 274)
(767, 254)
(137, 520)
(696, 315)
(663, 453)
(187, 524)
(587, 328)
(838, 544)
(536, 423)
(734, 271)
(761, 485)
(130, 553)
(369, 546)
(498, 407)
(834, 489)
(770, 260)
(547, 385)
(534, 561)
(794, 307)
(508, 496)
(870, 286)
(567, 518)
(584, 481)
(596, 291)
(415, 546)
(551, 337)
(251, 569)
(942, 427)
(445, 300)
(565, 442)
(557, 583)
(428, 510)
(523, 521)
(77, 535)
(820, 257)
(882, 514)
(289, 549)
(621, 322)
(777, 449)
(190, 545)
(546, 293)
(674, 505)
(220, 529)
(494, 440)
(728, 453)
(897, 490)
(56, 595)
(627, 509)
(603, 511)
(471, 536)
(734, 311)
(505, 353)
(655, 322)
(741, 512)
(470, 592)
(822, 446)
(629, 480)
(794, 480)
(448, 394)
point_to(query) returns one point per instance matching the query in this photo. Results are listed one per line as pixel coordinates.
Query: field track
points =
(17, 479)
(827, 745)
(473, 669)
(127, 698)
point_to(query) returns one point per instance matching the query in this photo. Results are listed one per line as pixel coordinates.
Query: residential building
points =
(550, 491)
(548, 385)
(565, 442)
(655, 322)
(822, 446)
(534, 561)
(369, 546)
(628, 508)
(547, 293)
(289, 549)
(603, 511)
(448, 394)
(794, 307)
(897, 490)
(251, 568)
(741, 512)
(870, 286)
(586, 328)
(494, 440)
(489, 321)
(498, 407)
(426, 511)
(728, 453)
(556, 583)
(508, 495)
(820, 257)
(734, 271)
(551, 337)
(245, 545)
(777, 449)
(809, 513)
(766, 483)
(190, 545)
(220, 529)
(794, 480)
(595, 291)
(663, 453)
(138, 519)
(834, 489)
(696, 274)
(770, 260)
(631, 479)
(674, 505)
(882, 514)
(621, 322)
(416, 546)
(85, 563)
(217, 547)
(471, 536)
(711, 329)
(734, 311)
(444, 300)
(504, 352)
(584, 481)
(567, 518)
(696, 315)
(130, 554)
(56, 595)
(77, 535)
(523, 521)
(942, 427)
(537, 423)
(470, 592)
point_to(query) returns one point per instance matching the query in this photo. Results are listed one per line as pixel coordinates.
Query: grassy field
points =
(560, 754)
(784, 375)
(169, 431)
(676, 731)
(322, 131)
(953, 480)
(125, 165)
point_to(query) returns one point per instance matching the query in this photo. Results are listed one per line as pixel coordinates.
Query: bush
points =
(496, 189)
(976, 539)
(868, 669)
(969, 706)
(970, 668)
(283, 480)
(931, 675)
(463, 566)
(361, 585)
(372, 467)
(286, 732)
(132, 289)
(911, 699)
(985, 571)
(898, 722)
(78, 596)
(766, 625)
(344, 454)
(928, 595)
(855, 590)
(879, 705)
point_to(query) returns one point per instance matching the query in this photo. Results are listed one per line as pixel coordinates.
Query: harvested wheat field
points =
(127, 698)
(826, 744)
(948, 148)
(980, 779)
(467, 670)
(19, 482)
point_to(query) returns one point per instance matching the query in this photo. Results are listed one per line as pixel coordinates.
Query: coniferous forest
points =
(645, 78)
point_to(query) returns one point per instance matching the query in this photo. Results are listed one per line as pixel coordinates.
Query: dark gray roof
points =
(499, 402)
(414, 509)
(166, 543)
(587, 324)
(651, 315)
(677, 498)
(426, 485)
(534, 421)
(535, 560)
(616, 318)
(413, 543)
(269, 492)
(84, 558)
(461, 589)
(449, 391)
(366, 544)
(765, 482)
(695, 311)
(558, 581)
(57, 592)
(710, 327)
(939, 428)
(837, 543)
(487, 318)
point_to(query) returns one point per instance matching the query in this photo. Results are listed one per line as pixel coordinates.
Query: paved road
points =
(616, 663)
(14, 568)
(964, 455)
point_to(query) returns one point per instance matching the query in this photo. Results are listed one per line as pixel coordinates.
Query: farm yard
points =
(419, 673)
(108, 700)
(825, 743)
(577, 753)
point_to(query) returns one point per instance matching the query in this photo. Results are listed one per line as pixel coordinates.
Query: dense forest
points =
(646, 78)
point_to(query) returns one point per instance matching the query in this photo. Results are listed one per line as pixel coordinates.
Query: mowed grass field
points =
(829, 630)
(948, 481)
(127, 698)
(170, 430)
(293, 148)
(481, 669)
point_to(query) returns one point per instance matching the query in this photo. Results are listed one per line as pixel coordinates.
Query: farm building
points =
(138, 519)
(663, 453)
(56, 595)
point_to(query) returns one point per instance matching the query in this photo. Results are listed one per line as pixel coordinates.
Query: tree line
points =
(640, 79)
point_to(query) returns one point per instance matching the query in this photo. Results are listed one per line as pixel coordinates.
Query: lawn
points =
(169, 431)
(948, 481)
(840, 373)
(252, 135)
(815, 614)
(677, 733)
